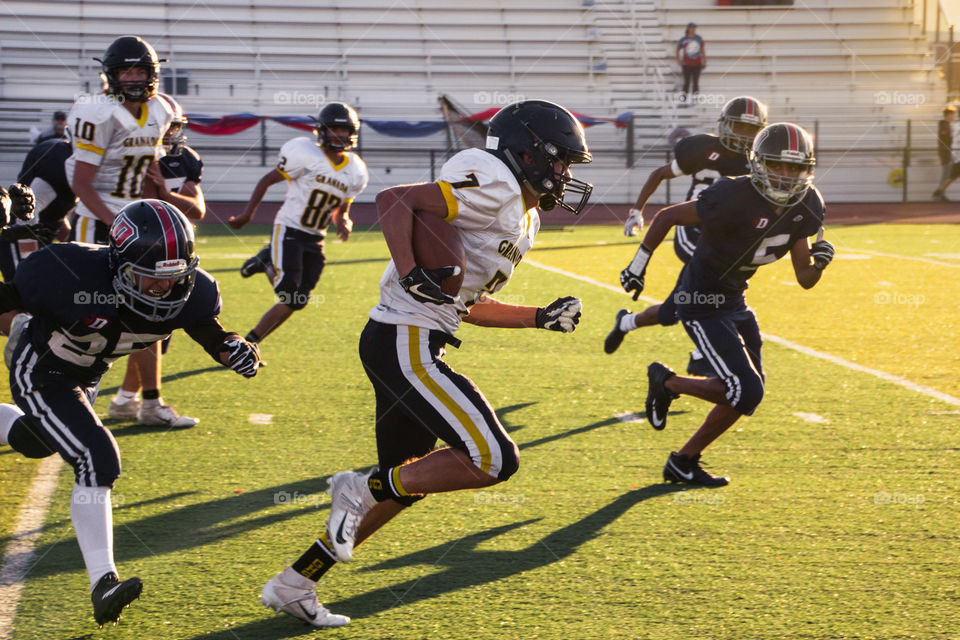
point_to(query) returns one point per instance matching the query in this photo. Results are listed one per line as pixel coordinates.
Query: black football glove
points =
(424, 284)
(22, 200)
(244, 356)
(631, 278)
(563, 314)
(822, 252)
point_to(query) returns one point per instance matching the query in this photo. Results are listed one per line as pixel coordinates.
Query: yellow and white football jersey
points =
(105, 134)
(485, 204)
(315, 187)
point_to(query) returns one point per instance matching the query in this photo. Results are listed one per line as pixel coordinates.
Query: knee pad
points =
(289, 293)
(667, 314)
(27, 438)
(751, 393)
(510, 464)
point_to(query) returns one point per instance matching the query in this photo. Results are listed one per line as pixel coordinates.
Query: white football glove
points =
(563, 314)
(634, 223)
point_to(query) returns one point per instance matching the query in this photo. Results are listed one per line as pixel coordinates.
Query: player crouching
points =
(89, 306)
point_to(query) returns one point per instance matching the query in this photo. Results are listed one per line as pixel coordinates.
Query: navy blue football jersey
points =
(45, 161)
(705, 159)
(79, 321)
(186, 166)
(740, 232)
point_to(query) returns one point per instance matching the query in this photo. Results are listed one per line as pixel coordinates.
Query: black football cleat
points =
(110, 596)
(689, 470)
(252, 266)
(658, 396)
(613, 340)
(700, 366)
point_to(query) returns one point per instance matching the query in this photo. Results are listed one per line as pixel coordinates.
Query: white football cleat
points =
(163, 415)
(128, 410)
(17, 325)
(351, 499)
(634, 223)
(289, 592)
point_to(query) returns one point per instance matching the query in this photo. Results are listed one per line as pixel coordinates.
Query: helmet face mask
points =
(776, 148)
(337, 115)
(176, 135)
(152, 241)
(752, 116)
(129, 52)
(539, 140)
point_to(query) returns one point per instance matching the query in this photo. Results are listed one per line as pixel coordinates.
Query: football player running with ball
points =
(705, 157)
(89, 306)
(490, 197)
(745, 223)
(323, 177)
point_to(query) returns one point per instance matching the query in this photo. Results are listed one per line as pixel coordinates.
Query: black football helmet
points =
(176, 135)
(786, 143)
(337, 114)
(152, 239)
(544, 132)
(743, 109)
(125, 52)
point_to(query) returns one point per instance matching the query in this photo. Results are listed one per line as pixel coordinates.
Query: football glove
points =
(21, 196)
(563, 314)
(631, 278)
(424, 284)
(822, 252)
(244, 357)
(634, 223)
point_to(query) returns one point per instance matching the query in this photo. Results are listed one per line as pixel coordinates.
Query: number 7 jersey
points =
(120, 145)
(315, 187)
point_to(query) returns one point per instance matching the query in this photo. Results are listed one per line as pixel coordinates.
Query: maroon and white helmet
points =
(779, 144)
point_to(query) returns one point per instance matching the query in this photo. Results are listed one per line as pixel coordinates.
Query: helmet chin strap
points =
(547, 202)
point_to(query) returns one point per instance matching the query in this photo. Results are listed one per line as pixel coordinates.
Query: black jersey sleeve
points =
(209, 334)
(815, 210)
(714, 201)
(691, 153)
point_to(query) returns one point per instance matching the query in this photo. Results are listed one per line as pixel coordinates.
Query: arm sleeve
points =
(362, 178)
(92, 129)
(209, 334)
(688, 154)
(291, 162)
(474, 191)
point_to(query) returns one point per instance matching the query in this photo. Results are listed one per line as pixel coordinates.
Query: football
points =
(437, 244)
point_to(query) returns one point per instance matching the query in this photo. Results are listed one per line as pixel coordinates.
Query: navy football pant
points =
(731, 342)
(420, 399)
(298, 259)
(61, 410)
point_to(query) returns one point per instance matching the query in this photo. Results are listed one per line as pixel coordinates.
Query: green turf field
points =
(841, 527)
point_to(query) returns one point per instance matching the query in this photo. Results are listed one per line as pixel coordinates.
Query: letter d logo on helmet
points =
(531, 138)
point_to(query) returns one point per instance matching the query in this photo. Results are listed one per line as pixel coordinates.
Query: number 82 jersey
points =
(315, 186)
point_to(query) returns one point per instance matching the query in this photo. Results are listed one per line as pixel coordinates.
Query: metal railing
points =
(938, 24)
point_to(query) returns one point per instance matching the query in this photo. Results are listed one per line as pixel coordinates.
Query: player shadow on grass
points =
(461, 565)
(192, 526)
(101, 393)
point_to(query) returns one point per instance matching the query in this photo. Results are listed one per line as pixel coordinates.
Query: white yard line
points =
(19, 552)
(899, 257)
(883, 375)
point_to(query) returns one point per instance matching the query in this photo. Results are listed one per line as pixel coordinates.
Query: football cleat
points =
(658, 396)
(129, 410)
(351, 499)
(110, 596)
(251, 266)
(700, 366)
(613, 340)
(162, 415)
(17, 325)
(289, 592)
(689, 470)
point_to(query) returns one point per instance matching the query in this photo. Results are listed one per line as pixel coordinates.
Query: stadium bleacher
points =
(853, 71)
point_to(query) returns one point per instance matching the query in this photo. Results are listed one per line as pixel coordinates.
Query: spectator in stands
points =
(945, 140)
(692, 57)
(57, 130)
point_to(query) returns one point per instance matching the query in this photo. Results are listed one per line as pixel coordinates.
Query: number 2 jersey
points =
(740, 232)
(121, 146)
(315, 187)
(485, 205)
(705, 159)
(79, 325)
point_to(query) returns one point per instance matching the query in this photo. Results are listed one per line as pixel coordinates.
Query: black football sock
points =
(151, 394)
(316, 561)
(385, 484)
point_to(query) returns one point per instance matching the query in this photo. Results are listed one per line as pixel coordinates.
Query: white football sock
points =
(8, 415)
(123, 396)
(156, 402)
(92, 516)
(697, 354)
(627, 322)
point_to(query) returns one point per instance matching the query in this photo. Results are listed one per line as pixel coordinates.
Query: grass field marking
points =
(811, 417)
(900, 257)
(19, 552)
(783, 342)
